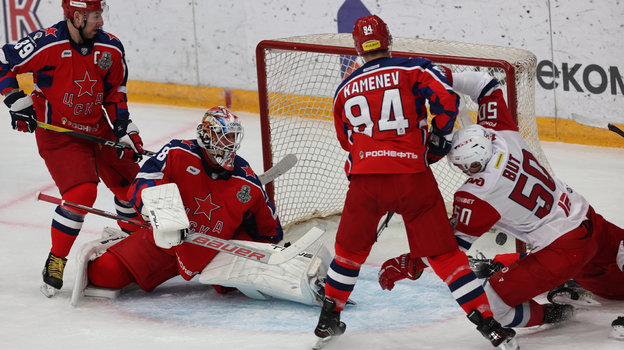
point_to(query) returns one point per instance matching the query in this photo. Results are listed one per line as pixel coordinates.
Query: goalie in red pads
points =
(220, 195)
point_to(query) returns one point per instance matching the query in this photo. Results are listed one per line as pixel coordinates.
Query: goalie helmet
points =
(370, 34)
(220, 134)
(471, 148)
(69, 6)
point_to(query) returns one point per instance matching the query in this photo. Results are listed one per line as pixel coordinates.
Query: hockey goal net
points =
(297, 79)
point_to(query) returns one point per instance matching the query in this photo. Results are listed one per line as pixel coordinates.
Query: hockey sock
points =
(453, 268)
(342, 276)
(108, 271)
(126, 210)
(536, 316)
(65, 228)
(66, 223)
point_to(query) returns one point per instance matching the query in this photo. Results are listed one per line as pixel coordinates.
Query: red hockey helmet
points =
(371, 33)
(69, 6)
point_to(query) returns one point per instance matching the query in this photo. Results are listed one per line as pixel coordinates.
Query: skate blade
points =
(48, 290)
(584, 300)
(322, 342)
(617, 333)
(510, 344)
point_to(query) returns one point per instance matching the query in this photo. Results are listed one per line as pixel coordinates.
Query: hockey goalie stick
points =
(278, 169)
(276, 257)
(596, 124)
(88, 137)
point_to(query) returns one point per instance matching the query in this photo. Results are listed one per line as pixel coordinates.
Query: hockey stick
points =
(276, 257)
(279, 255)
(54, 200)
(278, 169)
(384, 224)
(596, 124)
(88, 137)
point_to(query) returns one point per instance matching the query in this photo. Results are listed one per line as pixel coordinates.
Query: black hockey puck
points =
(501, 238)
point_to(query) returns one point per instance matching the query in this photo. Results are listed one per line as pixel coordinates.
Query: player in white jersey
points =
(509, 189)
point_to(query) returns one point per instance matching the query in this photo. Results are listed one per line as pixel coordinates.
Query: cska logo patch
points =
(244, 195)
(105, 62)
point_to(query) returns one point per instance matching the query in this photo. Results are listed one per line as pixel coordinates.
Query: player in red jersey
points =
(510, 190)
(80, 75)
(380, 116)
(220, 194)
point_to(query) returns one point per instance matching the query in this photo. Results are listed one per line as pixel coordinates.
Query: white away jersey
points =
(514, 193)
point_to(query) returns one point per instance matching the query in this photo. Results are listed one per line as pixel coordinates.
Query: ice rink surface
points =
(189, 315)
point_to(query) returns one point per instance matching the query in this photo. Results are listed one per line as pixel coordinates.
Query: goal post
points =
(297, 80)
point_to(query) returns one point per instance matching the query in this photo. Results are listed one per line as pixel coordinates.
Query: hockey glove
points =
(128, 134)
(484, 268)
(439, 144)
(23, 116)
(399, 268)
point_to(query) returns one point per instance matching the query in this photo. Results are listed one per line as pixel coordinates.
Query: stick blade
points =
(299, 246)
(583, 120)
(285, 164)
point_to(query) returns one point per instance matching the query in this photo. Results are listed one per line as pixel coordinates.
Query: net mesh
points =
(300, 84)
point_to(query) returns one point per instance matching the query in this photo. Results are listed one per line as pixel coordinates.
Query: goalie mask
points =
(471, 149)
(370, 34)
(220, 134)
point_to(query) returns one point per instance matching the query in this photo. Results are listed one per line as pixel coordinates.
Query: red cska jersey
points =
(380, 114)
(217, 204)
(72, 82)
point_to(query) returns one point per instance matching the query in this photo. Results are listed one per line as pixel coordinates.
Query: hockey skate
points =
(573, 294)
(617, 328)
(329, 325)
(502, 338)
(53, 275)
(482, 266)
(556, 313)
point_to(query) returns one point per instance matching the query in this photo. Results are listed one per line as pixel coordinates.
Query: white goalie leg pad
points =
(89, 252)
(163, 205)
(294, 280)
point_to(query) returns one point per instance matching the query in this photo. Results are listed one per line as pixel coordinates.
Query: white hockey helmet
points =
(220, 133)
(471, 149)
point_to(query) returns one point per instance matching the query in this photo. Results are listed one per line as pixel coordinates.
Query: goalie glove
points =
(163, 204)
(401, 267)
(23, 117)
